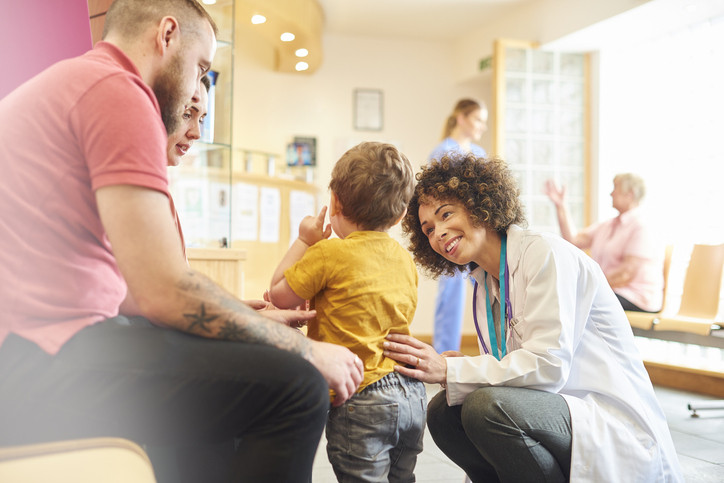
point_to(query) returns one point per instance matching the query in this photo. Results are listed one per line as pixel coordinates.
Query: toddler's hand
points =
(312, 229)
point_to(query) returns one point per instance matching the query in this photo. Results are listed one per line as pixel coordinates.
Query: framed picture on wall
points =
(368, 109)
(302, 152)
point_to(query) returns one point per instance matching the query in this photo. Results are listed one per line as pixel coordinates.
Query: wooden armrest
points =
(111, 460)
(641, 320)
(684, 324)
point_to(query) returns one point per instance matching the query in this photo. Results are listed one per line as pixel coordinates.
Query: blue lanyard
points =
(506, 311)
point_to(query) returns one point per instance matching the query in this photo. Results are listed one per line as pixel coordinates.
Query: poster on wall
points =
(270, 209)
(245, 212)
(190, 199)
(368, 109)
(302, 152)
(301, 204)
(219, 210)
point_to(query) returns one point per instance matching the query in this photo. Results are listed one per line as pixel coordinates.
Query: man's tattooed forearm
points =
(200, 320)
(267, 333)
(231, 331)
(223, 316)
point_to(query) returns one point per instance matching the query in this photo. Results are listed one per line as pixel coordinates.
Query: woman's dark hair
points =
(485, 187)
(206, 82)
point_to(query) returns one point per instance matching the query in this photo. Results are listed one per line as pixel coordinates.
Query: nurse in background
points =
(559, 391)
(466, 123)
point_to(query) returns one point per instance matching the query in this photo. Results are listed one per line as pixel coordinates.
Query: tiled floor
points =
(699, 443)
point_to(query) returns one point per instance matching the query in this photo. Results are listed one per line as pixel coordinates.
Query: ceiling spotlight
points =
(287, 37)
(301, 66)
(257, 19)
(301, 53)
(209, 2)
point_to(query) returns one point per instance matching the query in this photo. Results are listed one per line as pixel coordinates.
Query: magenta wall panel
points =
(37, 33)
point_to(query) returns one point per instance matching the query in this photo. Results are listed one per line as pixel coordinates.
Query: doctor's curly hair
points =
(485, 187)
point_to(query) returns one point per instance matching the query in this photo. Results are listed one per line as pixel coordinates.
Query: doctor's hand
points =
(452, 354)
(427, 365)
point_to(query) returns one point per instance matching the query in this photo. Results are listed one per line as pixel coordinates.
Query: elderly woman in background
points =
(623, 246)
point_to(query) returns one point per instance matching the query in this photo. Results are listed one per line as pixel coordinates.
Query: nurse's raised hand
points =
(417, 359)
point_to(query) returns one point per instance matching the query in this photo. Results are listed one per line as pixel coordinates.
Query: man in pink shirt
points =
(86, 222)
(622, 246)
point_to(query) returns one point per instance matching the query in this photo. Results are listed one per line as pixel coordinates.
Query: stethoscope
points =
(506, 310)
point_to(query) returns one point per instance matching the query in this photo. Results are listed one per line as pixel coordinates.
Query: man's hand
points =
(341, 368)
(312, 230)
(292, 318)
(259, 304)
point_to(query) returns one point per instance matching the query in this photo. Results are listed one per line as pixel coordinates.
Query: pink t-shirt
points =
(627, 235)
(83, 124)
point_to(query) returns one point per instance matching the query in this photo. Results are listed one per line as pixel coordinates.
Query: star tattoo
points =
(201, 320)
(230, 331)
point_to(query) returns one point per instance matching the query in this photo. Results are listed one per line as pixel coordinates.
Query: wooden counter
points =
(222, 265)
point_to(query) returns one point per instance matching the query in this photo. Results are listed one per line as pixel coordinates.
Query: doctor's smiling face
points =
(461, 206)
(450, 231)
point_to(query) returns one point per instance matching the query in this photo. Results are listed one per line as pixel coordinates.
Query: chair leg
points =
(704, 405)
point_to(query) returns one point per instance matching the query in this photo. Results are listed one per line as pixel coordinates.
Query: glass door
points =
(542, 127)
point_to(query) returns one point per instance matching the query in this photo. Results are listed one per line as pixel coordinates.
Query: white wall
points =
(539, 21)
(415, 77)
(661, 117)
(419, 90)
(420, 80)
(659, 102)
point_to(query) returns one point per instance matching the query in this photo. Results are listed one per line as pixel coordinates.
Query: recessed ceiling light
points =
(301, 53)
(287, 37)
(209, 2)
(301, 66)
(257, 19)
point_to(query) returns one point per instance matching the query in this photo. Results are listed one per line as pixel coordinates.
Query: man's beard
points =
(167, 88)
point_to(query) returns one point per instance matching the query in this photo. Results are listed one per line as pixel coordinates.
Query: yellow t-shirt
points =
(363, 287)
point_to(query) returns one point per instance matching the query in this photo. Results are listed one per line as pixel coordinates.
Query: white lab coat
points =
(570, 336)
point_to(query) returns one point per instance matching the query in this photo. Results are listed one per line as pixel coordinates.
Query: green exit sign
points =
(486, 63)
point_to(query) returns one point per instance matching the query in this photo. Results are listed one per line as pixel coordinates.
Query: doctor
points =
(559, 391)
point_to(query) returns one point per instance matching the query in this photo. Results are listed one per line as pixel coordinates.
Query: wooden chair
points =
(645, 320)
(110, 460)
(700, 297)
(699, 305)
